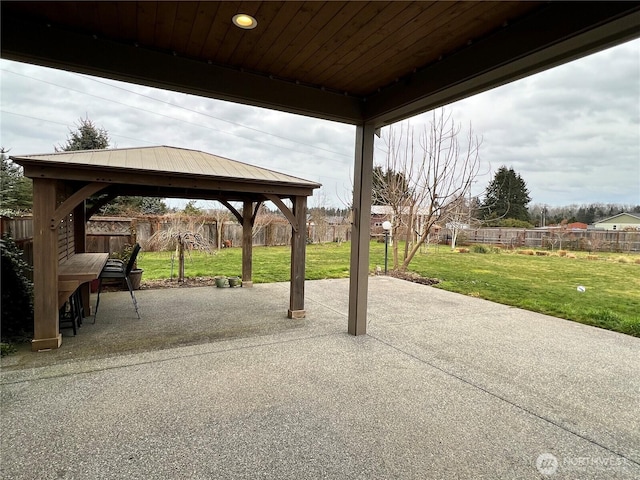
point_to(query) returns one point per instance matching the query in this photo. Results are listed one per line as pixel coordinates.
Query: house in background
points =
(382, 213)
(622, 221)
(577, 226)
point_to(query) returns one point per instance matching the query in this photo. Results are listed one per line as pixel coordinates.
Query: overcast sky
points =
(572, 133)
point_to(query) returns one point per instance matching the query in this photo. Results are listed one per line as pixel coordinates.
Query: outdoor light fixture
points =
(244, 21)
(386, 226)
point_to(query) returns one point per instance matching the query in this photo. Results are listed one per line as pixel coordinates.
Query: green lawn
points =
(541, 284)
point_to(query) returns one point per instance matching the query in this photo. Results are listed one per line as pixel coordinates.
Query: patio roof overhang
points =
(353, 62)
(362, 63)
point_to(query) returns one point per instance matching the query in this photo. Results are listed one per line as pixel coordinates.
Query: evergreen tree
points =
(16, 190)
(86, 137)
(192, 209)
(388, 187)
(153, 206)
(122, 206)
(586, 214)
(506, 196)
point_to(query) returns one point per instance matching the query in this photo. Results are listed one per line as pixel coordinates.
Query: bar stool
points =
(71, 313)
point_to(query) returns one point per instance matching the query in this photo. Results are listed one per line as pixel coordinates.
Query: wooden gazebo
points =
(62, 183)
(364, 63)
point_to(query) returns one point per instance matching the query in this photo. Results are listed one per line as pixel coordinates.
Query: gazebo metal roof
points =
(193, 174)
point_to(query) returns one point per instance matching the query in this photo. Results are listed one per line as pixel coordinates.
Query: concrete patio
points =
(218, 383)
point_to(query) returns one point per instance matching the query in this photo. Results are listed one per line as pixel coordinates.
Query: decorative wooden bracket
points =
(285, 210)
(232, 210)
(74, 200)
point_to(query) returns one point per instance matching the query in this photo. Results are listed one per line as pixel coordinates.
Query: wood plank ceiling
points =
(303, 56)
(324, 44)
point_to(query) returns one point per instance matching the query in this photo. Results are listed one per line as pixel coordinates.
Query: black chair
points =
(119, 270)
(71, 313)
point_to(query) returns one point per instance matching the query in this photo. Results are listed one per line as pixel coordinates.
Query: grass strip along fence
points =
(546, 283)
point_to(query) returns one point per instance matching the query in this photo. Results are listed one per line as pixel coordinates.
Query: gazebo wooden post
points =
(298, 249)
(247, 244)
(46, 332)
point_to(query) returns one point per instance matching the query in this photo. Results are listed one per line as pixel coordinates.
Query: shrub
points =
(592, 257)
(562, 253)
(637, 261)
(17, 291)
(480, 249)
(526, 252)
(623, 260)
(571, 255)
(514, 223)
(463, 239)
(542, 253)
(6, 349)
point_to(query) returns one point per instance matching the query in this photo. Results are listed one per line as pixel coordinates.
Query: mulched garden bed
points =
(211, 282)
(188, 282)
(413, 277)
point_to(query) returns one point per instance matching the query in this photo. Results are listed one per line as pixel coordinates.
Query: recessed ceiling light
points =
(245, 21)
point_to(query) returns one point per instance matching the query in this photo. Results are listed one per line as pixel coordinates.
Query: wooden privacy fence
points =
(551, 239)
(110, 234)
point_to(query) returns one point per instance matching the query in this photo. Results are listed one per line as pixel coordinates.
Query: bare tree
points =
(184, 233)
(457, 217)
(319, 217)
(561, 232)
(438, 172)
(220, 215)
(393, 184)
(266, 220)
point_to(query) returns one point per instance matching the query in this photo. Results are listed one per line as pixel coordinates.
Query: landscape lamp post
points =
(386, 226)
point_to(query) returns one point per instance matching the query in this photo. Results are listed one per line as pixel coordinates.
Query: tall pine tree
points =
(506, 196)
(16, 190)
(86, 137)
(388, 187)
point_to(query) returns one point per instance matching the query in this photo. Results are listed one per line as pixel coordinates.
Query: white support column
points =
(360, 231)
